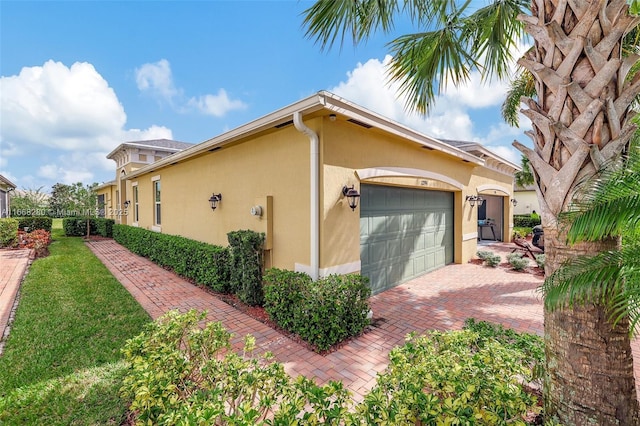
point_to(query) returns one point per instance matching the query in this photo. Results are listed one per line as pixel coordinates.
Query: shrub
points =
(493, 260)
(455, 377)
(77, 226)
(322, 312)
(8, 231)
(246, 253)
(540, 260)
(283, 291)
(38, 240)
(517, 262)
(204, 263)
(35, 222)
(484, 254)
(525, 221)
(180, 373)
(104, 227)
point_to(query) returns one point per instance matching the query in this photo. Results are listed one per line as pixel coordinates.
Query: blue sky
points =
(78, 78)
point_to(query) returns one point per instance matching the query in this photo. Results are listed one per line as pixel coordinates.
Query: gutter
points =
(314, 157)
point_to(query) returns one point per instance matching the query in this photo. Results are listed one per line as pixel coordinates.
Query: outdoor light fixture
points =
(473, 199)
(214, 200)
(514, 202)
(352, 195)
(126, 204)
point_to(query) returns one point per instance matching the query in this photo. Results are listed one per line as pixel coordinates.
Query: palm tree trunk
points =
(581, 120)
(589, 361)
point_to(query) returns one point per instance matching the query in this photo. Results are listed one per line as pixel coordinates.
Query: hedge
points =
(525, 221)
(204, 263)
(246, 249)
(35, 222)
(8, 231)
(77, 227)
(322, 312)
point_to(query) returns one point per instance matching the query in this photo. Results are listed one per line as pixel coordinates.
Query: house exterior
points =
(527, 199)
(284, 174)
(6, 187)
(131, 156)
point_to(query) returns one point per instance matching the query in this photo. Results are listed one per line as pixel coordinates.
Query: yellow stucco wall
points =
(272, 171)
(274, 165)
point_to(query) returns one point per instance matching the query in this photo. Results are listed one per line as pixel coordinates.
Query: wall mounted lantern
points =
(352, 195)
(126, 204)
(473, 199)
(514, 202)
(214, 200)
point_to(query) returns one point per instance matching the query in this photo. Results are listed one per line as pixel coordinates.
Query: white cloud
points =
(153, 132)
(157, 79)
(217, 105)
(56, 106)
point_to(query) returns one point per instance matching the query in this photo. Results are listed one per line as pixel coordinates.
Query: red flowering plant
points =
(38, 240)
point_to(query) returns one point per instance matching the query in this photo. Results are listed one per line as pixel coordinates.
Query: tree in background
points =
(74, 200)
(581, 120)
(29, 200)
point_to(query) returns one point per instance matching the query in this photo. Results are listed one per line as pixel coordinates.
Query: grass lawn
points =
(62, 362)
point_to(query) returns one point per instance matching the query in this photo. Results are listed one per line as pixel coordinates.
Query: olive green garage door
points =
(404, 233)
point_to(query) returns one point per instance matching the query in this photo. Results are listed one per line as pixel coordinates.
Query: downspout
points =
(314, 192)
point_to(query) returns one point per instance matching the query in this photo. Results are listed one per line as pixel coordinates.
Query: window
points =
(142, 157)
(135, 203)
(101, 205)
(157, 219)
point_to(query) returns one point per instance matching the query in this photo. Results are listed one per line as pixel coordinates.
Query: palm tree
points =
(608, 205)
(581, 120)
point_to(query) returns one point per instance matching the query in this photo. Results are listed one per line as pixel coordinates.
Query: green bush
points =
(77, 226)
(540, 260)
(517, 262)
(525, 221)
(455, 377)
(35, 222)
(104, 227)
(8, 231)
(246, 253)
(180, 373)
(322, 312)
(484, 254)
(283, 291)
(204, 263)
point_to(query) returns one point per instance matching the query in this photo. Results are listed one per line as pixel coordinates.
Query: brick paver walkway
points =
(13, 265)
(439, 300)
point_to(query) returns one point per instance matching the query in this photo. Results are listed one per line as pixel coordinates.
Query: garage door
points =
(404, 233)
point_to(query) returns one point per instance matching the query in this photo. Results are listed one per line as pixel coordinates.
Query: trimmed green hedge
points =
(77, 227)
(322, 312)
(204, 263)
(246, 249)
(8, 231)
(35, 222)
(525, 221)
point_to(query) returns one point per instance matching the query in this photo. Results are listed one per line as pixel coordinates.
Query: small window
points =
(157, 211)
(135, 203)
(142, 157)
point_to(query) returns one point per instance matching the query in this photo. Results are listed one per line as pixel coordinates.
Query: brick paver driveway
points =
(439, 300)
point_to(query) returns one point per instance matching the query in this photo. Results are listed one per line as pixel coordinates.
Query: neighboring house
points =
(6, 187)
(527, 199)
(113, 200)
(285, 174)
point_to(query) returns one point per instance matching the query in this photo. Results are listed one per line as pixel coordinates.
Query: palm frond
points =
(610, 278)
(328, 20)
(522, 85)
(608, 204)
